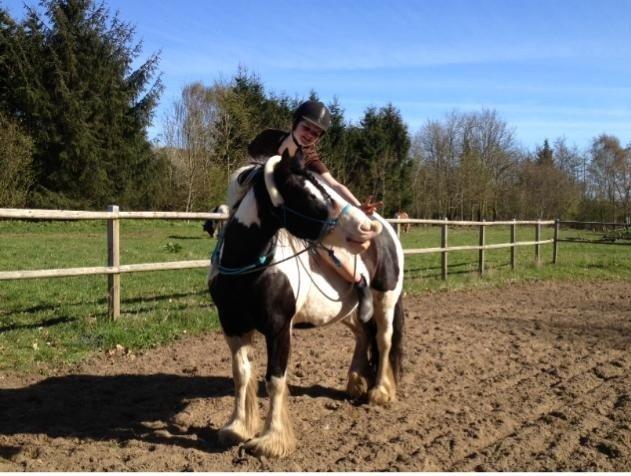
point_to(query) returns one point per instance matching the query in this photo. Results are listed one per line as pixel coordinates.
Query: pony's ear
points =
(296, 162)
(284, 166)
(286, 159)
(291, 163)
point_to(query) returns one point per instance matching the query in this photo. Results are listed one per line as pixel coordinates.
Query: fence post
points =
(399, 230)
(481, 252)
(443, 244)
(113, 260)
(555, 247)
(513, 239)
(538, 246)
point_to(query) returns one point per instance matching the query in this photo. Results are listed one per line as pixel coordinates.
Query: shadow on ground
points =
(120, 407)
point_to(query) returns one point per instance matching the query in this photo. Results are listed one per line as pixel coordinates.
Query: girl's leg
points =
(345, 267)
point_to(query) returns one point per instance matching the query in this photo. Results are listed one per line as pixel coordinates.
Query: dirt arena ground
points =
(527, 378)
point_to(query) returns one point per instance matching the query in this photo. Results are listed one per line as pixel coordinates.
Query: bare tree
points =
(190, 140)
(601, 174)
(495, 144)
(468, 162)
(610, 176)
(569, 159)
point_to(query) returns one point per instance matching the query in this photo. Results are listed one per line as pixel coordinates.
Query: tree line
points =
(74, 115)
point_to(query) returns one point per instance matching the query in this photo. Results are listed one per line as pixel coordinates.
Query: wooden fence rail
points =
(114, 269)
(444, 248)
(596, 223)
(603, 241)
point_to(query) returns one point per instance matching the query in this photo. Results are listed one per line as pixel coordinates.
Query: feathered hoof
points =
(235, 433)
(357, 386)
(271, 445)
(381, 396)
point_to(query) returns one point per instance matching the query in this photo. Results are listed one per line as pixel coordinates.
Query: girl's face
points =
(307, 133)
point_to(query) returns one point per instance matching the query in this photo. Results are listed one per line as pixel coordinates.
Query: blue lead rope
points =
(263, 261)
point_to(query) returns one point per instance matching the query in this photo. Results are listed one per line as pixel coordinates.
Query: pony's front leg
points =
(277, 439)
(245, 421)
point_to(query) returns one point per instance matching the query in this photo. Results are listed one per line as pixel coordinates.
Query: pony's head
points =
(309, 209)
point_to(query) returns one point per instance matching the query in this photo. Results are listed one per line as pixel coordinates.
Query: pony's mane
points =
(250, 178)
(240, 182)
(316, 183)
(308, 175)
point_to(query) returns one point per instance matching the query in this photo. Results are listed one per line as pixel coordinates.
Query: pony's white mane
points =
(240, 182)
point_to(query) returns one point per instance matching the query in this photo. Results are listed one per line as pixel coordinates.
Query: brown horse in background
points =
(401, 215)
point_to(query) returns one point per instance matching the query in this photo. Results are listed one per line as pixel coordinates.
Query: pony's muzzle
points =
(367, 231)
(371, 227)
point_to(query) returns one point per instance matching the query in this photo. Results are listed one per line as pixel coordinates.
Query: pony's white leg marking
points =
(277, 439)
(359, 375)
(245, 421)
(384, 390)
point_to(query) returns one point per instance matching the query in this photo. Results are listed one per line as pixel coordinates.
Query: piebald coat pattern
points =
(274, 211)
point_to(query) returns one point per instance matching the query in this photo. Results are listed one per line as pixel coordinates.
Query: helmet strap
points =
(293, 137)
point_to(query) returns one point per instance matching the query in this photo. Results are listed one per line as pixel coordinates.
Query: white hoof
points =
(271, 445)
(236, 432)
(381, 396)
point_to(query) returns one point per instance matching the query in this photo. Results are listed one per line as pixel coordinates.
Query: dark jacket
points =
(266, 145)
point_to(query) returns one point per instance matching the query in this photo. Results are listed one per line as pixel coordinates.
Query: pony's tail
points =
(396, 351)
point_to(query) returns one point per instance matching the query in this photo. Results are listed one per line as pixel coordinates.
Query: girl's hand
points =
(309, 152)
(370, 206)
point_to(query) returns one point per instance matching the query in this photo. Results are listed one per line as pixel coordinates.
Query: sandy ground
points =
(527, 378)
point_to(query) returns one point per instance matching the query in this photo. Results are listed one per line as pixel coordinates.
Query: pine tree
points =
(383, 167)
(545, 155)
(68, 78)
(334, 146)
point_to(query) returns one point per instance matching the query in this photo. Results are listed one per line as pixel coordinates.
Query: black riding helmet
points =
(315, 112)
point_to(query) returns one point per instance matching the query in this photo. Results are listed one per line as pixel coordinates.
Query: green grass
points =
(46, 322)
(575, 261)
(49, 321)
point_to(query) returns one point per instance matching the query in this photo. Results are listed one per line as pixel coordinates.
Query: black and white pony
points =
(215, 227)
(266, 278)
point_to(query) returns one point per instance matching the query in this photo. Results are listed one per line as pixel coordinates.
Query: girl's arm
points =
(341, 189)
(368, 208)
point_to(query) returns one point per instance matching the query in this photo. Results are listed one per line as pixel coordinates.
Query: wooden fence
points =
(114, 269)
(595, 224)
(444, 248)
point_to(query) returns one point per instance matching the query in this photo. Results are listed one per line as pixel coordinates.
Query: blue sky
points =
(549, 68)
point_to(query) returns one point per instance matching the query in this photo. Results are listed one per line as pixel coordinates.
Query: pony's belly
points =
(322, 295)
(329, 299)
(318, 314)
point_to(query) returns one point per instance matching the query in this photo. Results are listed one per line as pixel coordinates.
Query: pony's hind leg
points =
(384, 390)
(360, 376)
(277, 439)
(245, 421)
